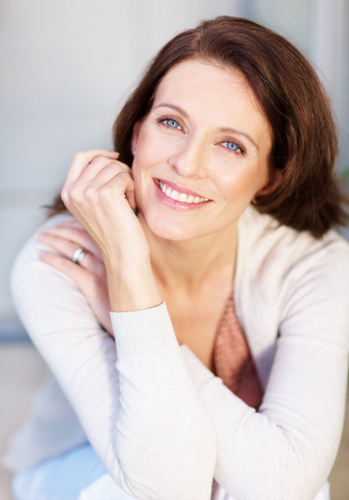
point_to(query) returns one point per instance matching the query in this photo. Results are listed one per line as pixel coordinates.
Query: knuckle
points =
(126, 167)
(123, 177)
(76, 192)
(71, 193)
(99, 158)
(78, 156)
(89, 193)
(107, 193)
(64, 193)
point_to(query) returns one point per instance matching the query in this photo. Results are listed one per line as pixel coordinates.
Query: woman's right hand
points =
(89, 275)
(100, 192)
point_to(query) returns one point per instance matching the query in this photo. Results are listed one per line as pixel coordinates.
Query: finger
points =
(110, 188)
(82, 159)
(76, 235)
(100, 170)
(67, 248)
(109, 173)
(131, 198)
(77, 273)
(97, 165)
(71, 223)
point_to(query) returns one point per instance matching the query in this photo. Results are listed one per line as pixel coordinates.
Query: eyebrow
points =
(222, 129)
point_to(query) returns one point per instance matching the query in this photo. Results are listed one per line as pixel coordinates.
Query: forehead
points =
(208, 90)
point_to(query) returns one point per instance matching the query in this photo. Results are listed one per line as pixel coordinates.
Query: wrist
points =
(132, 287)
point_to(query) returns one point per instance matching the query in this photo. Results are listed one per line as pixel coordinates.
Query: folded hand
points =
(100, 192)
(89, 275)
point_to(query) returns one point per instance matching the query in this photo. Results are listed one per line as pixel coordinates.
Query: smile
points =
(177, 196)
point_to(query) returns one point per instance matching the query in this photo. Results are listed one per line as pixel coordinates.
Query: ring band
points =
(78, 255)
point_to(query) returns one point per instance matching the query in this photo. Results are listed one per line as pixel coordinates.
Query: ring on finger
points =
(78, 255)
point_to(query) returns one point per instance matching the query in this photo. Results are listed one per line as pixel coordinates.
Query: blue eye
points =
(232, 146)
(171, 123)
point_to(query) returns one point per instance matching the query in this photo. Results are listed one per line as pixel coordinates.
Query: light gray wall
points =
(291, 18)
(320, 29)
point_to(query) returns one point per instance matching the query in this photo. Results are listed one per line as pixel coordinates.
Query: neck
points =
(187, 265)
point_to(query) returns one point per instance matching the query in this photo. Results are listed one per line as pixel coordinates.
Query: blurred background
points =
(66, 68)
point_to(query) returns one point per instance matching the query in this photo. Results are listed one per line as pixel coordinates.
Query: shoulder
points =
(32, 246)
(282, 271)
(27, 261)
(41, 294)
(264, 245)
(288, 283)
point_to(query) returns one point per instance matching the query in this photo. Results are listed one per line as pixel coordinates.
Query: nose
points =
(190, 158)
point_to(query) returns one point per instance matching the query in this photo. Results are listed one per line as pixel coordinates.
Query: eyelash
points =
(167, 119)
(242, 150)
(235, 143)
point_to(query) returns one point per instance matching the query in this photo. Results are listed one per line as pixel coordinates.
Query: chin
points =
(168, 230)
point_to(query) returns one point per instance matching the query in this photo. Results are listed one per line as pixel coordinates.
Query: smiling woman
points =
(214, 142)
(209, 236)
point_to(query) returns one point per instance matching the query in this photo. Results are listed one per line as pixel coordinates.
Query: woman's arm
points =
(287, 449)
(144, 418)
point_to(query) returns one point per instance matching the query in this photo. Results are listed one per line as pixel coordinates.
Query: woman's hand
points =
(100, 192)
(89, 275)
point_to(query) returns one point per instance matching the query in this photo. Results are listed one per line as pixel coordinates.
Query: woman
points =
(229, 202)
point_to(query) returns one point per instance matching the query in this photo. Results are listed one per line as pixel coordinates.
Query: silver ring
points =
(78, 255)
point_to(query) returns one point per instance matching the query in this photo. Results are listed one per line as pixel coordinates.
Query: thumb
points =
(131, 198)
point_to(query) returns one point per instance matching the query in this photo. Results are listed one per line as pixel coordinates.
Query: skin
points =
(183, 140)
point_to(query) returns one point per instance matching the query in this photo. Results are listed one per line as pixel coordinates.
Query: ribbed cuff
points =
(142, 334)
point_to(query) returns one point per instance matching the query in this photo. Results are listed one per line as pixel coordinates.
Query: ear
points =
(136, 129)
(274, 181)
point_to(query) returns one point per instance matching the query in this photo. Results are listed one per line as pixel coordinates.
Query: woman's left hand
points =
(89, 274)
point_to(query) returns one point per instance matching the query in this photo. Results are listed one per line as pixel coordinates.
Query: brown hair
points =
(290, 93)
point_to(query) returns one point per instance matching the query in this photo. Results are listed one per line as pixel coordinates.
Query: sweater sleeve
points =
(287, 449)
(137, 403)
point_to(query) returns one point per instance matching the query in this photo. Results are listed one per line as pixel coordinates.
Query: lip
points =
(175, 204)
(180, 189)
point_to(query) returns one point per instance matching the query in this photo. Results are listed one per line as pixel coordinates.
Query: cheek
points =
(235, 180)
(242, 183)
(148, 153)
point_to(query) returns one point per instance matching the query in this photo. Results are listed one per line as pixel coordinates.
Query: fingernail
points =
(42, 254)
(41, 236)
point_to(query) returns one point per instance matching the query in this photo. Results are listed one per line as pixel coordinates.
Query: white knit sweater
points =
(163, 425)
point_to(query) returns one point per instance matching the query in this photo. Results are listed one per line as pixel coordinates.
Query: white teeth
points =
(175, 195)
(182, 197)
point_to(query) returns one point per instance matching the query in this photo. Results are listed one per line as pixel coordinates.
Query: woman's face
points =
(205, 134)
